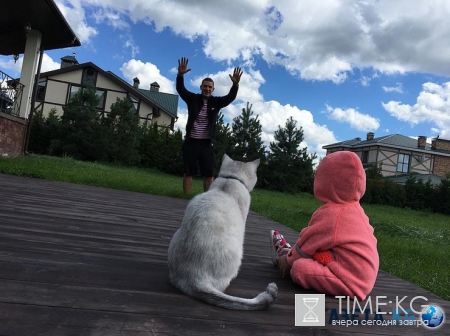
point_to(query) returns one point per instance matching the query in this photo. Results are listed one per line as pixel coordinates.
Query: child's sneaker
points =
(278, 246)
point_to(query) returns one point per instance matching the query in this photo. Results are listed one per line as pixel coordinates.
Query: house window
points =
(403, 163)
(40, 94)
(101, 94)
(365, 157)
(135, 103)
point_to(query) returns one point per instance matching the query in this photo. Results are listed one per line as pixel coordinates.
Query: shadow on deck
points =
(79, 260)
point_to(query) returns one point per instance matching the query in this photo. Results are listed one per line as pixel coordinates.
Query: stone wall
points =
(13, 131)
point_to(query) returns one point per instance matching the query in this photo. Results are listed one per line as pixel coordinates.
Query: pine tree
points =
(223, 141)
(150, 145)
(43, 131)
(289, 168)
(81, 133)
(246, 137)
(123, 132)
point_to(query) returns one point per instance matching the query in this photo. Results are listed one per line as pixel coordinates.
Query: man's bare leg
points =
(187, 184)
(207, 181)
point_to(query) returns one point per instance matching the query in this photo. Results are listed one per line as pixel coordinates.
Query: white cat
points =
(205, 253)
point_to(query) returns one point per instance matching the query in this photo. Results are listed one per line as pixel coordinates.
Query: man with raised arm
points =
(203, 108)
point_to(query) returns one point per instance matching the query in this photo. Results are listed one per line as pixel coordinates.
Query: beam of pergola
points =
(18, 16)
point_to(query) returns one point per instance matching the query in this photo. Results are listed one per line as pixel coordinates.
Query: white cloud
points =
(14, 67)
(365, 81)
(111, 18)
(432, 106)
(129, 43)
(147, 74)
(356, 119)
(315, 40)
(398, 88)
(331, 69)
(48, 64)
(273, 115)
(75, 15)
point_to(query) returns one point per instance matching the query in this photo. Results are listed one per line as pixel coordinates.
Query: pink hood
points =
(340, 178)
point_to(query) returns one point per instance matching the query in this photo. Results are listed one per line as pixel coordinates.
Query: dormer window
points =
(135, 103)
(89, 77)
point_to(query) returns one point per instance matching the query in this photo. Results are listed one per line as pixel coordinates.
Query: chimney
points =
(68, 61)
(433, 142)
(421, 141)
(154, 87)
(136, 83)
(358, 139)
(370, 136)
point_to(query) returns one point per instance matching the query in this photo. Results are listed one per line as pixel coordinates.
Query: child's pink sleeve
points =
(319, 235)
(296, 253)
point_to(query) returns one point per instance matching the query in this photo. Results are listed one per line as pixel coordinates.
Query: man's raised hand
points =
(183, 66)
(237, 73)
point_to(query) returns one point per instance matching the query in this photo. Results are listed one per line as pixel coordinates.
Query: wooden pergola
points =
(29, 27)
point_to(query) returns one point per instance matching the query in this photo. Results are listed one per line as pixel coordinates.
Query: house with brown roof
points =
(401, 156)
(57, 87)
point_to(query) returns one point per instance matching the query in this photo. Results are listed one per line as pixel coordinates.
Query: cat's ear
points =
(226, 158)
(256, 162)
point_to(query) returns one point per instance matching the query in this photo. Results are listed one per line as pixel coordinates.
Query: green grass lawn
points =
(413, 245)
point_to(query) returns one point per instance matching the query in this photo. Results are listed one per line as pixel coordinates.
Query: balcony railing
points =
(10, 94)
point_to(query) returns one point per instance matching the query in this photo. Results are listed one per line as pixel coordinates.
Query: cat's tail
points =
(217, 298)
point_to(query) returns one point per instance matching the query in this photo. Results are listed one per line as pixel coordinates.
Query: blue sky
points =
(341, 68)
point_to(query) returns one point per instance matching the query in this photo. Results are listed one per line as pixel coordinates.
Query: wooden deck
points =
(79, 260)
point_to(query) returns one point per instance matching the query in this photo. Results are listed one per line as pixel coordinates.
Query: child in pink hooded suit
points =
(336, 253)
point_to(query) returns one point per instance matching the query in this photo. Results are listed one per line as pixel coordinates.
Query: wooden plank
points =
(79, 260)
(49, 321)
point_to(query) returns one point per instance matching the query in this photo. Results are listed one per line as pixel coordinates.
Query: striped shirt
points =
(200, 129)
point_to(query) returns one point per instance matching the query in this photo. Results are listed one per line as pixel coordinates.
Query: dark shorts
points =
(201, 152)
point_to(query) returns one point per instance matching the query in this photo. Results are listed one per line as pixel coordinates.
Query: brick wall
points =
(13, 131)
(441, 144)
(441, 165)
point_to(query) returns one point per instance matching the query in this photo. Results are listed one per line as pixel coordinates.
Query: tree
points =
(223, 141)
(246, 137)
(171, 152)
(161, 149)
(123, 132)
(43, 131)
(81, 133)
(442, 198)
(418, 193)
(374, 171)
(288, 168)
